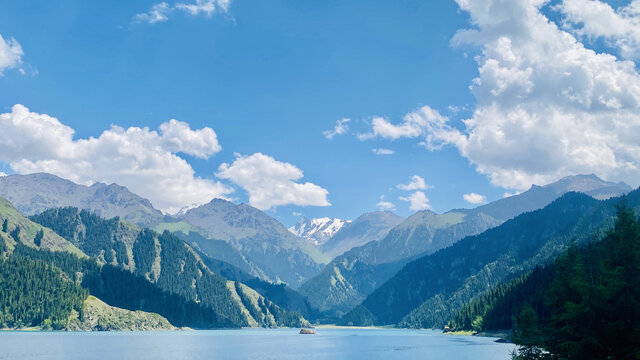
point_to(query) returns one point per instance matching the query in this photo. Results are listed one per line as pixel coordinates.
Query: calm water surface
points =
(250, 344)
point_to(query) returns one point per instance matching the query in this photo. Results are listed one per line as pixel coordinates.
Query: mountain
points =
(35, 193)
(366, 228)
(590, 292)
(427, 291)
(261, 239)
(317, 231)
(17, 228)
(160, 263)
(350, 277)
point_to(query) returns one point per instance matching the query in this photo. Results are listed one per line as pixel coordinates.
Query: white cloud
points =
(386, 206)
(2, 174)
(415, 124)
(207, 7)
(272, 183)
(141, 159)
(474, 198)
(382, 151)
(417, 183)
(417, 201)
(10, 54)
(340, 128)
(619, 27)
(296, 214)
(546, 106)
(160, 12)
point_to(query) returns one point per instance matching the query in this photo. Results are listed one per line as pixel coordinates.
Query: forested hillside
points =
(166, 272)
(429, 291)
(586, 304)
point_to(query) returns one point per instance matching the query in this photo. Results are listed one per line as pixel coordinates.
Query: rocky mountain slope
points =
(261, 239)
(35, 193)
(317, 231)
(366, 228)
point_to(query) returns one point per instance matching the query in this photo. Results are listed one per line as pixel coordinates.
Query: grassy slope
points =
(100, 316)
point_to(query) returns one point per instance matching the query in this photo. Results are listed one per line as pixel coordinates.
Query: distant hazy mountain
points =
(338, 287)
(428, 290)
(317, 231)
(259, 238)
(35, 193)
(366, 228)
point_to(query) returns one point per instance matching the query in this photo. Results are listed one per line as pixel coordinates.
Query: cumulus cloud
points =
(474, 198)
(382, 151)
(340, 128)
(386, 206)
(417, 183)
(546, 106)
(141, 159)
(417, 201)
(620, 27)
(160, 12)
(10, 54)
(270, 182)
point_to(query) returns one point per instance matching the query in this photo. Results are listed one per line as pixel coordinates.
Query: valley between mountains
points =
(100, 257)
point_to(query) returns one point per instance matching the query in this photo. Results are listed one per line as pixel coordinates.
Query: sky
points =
(321, 108)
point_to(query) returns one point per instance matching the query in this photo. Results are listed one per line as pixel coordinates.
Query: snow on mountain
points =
(317, 231)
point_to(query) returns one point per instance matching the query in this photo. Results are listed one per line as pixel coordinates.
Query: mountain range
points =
(231, 264)
(430, 290)
(352, 276)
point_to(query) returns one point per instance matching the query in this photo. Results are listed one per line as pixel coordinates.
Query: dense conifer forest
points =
(586, 305)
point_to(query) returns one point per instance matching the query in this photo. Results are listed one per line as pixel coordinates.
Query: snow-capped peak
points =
(317, 231)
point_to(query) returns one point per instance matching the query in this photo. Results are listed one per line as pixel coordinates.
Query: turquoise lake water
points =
(387, 344)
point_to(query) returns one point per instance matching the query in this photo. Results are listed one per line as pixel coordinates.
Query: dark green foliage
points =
(123, 289)
(5, 224)
(34, 293)
(38, 239)
(498, 306)
(284, 297)
(173, 273)
(121, 253)
(431, 290)
(586, 305)
(15, 234)
(360, 316)
(144, 251)
(89, 232)
(279, 294)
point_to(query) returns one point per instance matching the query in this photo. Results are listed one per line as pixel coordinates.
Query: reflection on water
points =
(251, 344)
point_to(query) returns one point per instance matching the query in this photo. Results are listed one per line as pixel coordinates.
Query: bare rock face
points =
(35, 193)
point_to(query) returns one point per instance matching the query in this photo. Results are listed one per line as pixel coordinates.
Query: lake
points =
(329, 343)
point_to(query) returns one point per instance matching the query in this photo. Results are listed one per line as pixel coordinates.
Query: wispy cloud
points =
(382, 151)
(160, 12)
(10, 55)
(340, 128)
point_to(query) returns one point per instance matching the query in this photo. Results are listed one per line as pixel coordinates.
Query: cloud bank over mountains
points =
(148, 162)
(546, 105)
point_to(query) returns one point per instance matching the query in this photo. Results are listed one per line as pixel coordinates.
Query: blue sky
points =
(270, 76)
